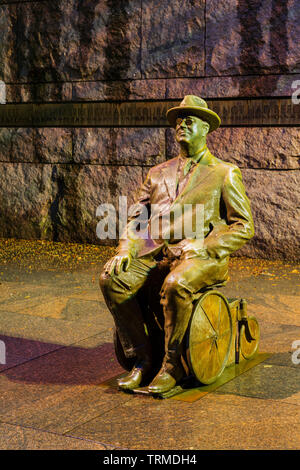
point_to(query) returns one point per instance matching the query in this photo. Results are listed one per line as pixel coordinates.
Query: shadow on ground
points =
(55, 364)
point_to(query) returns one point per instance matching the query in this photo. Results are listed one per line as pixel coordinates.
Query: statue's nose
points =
(182, 125)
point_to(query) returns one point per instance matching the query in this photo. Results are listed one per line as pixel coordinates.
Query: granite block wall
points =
(52, 179)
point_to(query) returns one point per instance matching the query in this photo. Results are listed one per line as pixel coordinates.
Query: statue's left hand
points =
(118, 263)
(191, 250)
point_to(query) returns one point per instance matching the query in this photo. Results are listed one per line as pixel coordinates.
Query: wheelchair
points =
(220, 334)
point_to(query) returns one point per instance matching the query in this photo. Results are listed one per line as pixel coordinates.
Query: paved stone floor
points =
(57, 334)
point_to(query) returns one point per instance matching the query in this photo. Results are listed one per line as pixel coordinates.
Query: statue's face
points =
(190, 129)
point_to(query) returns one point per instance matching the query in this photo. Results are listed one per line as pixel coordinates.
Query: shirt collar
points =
(196, 159)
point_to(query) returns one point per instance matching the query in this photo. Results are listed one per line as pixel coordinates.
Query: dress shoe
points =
(163, 382)
(135, 377)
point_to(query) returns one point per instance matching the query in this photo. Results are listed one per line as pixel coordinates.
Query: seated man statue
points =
(195, 177)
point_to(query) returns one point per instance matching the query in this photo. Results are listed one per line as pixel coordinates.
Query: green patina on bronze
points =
(233, 112)
(165, 282)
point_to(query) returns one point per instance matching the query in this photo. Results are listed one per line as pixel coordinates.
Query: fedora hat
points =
(195, 106)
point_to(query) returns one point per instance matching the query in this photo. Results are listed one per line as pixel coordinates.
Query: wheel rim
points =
(209, 337)
(249, 343)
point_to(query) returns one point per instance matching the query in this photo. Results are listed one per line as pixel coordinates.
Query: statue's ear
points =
(206, 126)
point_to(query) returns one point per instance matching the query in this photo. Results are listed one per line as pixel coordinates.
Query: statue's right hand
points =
(118, 263)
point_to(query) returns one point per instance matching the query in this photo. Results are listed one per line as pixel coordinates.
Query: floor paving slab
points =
(19, 350)
(59, 349)
(214, 422)
(63, 387)
(51, 331)
(20, 438)
(61, 411)
(267, 381)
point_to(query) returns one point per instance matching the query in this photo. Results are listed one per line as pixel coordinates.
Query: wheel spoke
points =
(210, 337)
(219, 315)
(215, 360)
(224, 333)
(202, 341)
(211, 346)
(217, 348)
(209, 320)
(203, 352)
(210, 305)
(224, 317)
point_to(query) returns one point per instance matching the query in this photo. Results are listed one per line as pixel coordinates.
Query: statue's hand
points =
(118, 263)
(191, 250)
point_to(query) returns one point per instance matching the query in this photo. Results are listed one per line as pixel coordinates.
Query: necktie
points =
(187, 166)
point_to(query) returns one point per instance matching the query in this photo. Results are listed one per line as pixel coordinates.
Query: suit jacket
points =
(215, 184)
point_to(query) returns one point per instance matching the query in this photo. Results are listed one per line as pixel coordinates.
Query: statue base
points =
(189, 390)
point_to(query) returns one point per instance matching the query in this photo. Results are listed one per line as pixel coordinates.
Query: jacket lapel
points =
(169, 176)
(197, 176)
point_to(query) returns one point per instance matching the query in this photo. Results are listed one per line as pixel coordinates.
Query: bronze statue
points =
(188, 265)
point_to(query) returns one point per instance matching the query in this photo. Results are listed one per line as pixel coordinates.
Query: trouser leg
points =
(177, 295)
(120, 292)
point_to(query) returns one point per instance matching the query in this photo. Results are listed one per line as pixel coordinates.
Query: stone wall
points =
(53, 178)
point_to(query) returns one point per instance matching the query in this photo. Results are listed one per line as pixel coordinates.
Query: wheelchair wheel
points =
(249, 338)
(209, 337)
